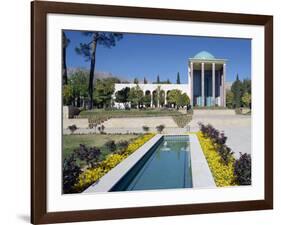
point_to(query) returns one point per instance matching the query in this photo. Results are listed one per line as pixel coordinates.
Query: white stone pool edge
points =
(107, 182)
(201, 174)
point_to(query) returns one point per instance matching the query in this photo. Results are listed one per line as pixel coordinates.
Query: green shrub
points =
(89, 155)
(225, 153)
(145, 128)
(122, 145)
(160, 128)
(71, 172)
(110, 145)
(219, 139)
(101, 129)
(72, 128)
(242, 169)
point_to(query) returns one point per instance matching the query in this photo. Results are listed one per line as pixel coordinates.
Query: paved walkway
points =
(126, 125)
(139, 122)
(236, 127)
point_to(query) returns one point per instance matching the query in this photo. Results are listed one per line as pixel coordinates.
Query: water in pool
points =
(165, 166)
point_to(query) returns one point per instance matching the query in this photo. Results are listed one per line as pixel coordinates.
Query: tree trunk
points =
(64, 69)
(92, 71)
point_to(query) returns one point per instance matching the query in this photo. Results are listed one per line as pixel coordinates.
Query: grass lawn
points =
(71, 142)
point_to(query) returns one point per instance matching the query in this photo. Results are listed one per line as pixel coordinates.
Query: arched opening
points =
(147, 101)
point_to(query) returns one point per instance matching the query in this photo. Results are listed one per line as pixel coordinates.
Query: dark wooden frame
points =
(39, 11)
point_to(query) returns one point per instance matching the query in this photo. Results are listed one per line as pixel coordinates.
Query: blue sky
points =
(146, 55)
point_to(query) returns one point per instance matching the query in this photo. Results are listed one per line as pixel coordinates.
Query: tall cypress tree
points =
(178, 78)
(237, 89)
(144, 80)
(158, 79)
(246, 84)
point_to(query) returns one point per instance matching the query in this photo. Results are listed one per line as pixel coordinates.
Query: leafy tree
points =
(246, 86)
(65, 42)
(173, 97)
(122, 96)
(237, 90)
(162, 98)
(178, 78)
(135, 96)
(136, 81)
(156, 96)
(229, 99)
(88, 50)
(78, 81)
(144, 80)
(168, 81)
(67, 94)
(147, 100)
(183, 100)
(104, 89)
(246, 99)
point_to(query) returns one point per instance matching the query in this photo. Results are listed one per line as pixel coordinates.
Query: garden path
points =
(237, 128)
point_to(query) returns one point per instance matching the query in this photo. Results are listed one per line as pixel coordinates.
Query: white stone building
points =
(150, 89)
(206, 87)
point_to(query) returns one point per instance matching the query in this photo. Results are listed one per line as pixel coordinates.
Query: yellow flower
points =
(223, 174)
(91, 175)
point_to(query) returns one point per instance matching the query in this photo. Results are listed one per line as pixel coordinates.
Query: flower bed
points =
(223, 173)
(91, 175)
(226, 170)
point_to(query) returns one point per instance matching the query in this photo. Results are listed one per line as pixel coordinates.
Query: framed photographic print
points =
(143, 112)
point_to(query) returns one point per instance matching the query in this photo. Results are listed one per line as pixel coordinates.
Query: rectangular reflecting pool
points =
(165, 166)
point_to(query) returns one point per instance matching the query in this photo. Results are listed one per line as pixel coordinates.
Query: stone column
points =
(151, 99)
(223, 85)
(213, 83)
(191, 84)
(202, 84)
(165, 98)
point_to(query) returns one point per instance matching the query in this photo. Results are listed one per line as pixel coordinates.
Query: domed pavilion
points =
(207, 75)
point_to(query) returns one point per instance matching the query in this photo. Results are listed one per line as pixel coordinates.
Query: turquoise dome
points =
(204, 55)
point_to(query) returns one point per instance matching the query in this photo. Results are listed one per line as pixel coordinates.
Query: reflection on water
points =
(167, 167)
(165, 148)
